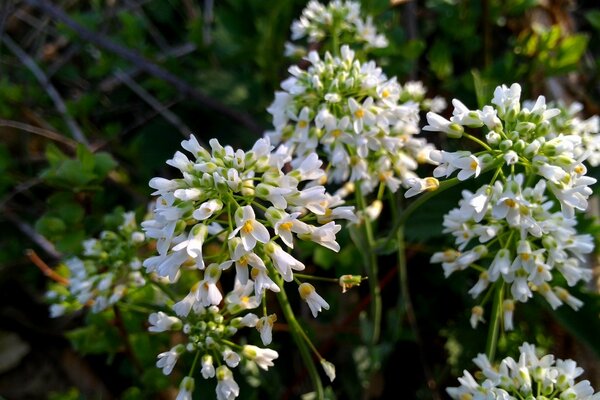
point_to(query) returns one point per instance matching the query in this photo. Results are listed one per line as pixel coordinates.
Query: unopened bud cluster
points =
(341, 18)
(107, 269)
(352, 112)
(530, 378)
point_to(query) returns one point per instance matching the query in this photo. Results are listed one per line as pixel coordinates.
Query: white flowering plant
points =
(246, 276)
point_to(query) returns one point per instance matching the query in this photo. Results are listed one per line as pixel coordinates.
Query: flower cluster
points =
(340, 19)
(510, 224)
(516, 137)
(208, 335)
(510, 228)
(353, 113)
(236, 210)
(108, 268)
(569, 122)
(529, 377)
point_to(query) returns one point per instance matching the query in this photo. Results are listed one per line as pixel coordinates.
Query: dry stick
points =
(111, 82)
(151, 68)
(46, 270)
(35, 237)
(59, 104)
(39, 131)
(154, 103)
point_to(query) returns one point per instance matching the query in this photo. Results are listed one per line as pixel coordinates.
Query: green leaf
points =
(85, 157)
(593, 18)
(103, 164)
(54, 155)
(440, 60)
(50, 226)
(324, 258)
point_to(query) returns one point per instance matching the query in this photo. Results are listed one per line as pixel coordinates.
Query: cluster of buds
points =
(510, 224)
(529, 377)
(208, 332)
(510, 228)
(236, 210)
(342, 19)
(516, 138)
(108, 268)
(569, 122)
(353, 114)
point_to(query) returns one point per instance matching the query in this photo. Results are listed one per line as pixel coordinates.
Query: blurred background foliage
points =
(96, 95)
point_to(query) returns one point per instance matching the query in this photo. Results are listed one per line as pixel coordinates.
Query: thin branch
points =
(35, 237)
(20, 188)
(154, 103)
(59, 104)
(109, 84)
(38, 131)
(46, 270)
(137, 59)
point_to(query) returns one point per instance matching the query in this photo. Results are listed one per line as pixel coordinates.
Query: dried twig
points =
(59, 104)
(137, 59)
(111, 82)
(154, 103)
(46, 270)
(35, 237)
(39, 131)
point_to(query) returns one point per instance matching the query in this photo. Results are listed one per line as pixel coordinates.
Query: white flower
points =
(507, 99)
(262, 357)
(283, 262)
(508, 307)
(313, 299)
(227, 388)
(186, 387)
(161, 322)
(231, 358)
(167, 360)
(329, 369)
(437, 123)
(250, 229)
(265, 327)
(208, 370)
(476, 316)
(418, 185)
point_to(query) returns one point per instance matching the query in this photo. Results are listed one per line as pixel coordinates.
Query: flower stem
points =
(478, 141)
(370, 258)
(410, 312)
(492, 339)
(297, 334)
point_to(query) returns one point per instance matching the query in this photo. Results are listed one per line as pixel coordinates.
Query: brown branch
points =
(46, 270)
(39, 131)
(35, 237)
(59, 104)
(137, 59)
(154, 103)
(109, 84)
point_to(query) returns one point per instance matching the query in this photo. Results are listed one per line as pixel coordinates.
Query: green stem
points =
(316, 278)
(372, 268)
(478, 141)
(410, 312)
(297, 334)
(193, 368)
(494, 331)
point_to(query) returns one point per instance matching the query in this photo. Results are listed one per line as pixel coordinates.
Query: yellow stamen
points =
(336, 133)
(579, 169)
(286, 226)
(510, 202)
(302, 124)
(474, 164)
(385, 94)
(359, 113)
(247, 228)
